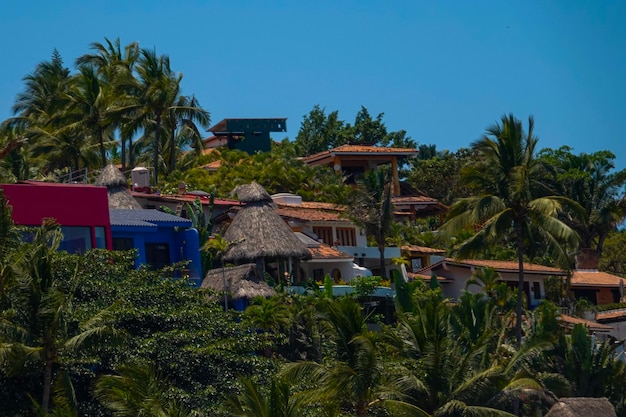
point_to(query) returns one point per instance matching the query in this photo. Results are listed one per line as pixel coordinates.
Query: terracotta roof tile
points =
(313, 205)
(360, 149)
(414, 199)
(571, 321)
(501, 266)
(308, 214)
(611, 314)
(422, 249)
(324, 251)
(581, 278)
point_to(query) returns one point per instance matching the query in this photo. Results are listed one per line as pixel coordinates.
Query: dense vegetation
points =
(90, 335)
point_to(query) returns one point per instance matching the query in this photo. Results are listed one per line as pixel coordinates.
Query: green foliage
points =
(320, 132)
(364, 286)
(328, 286)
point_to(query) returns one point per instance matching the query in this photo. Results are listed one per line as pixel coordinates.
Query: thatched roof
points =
(119, 196)
(111, 176)
(257, 231)
(252, 193)
(243, 281)
(582, 407)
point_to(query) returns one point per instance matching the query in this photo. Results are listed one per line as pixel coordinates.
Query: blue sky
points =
(443, 71)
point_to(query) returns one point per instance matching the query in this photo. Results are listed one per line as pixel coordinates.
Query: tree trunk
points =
(381, 250)
(520, 288)
(103, 154)
(157, 134)
(172, 163)
(47, 384)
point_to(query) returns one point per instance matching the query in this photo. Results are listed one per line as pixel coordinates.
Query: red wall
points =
(68, 204)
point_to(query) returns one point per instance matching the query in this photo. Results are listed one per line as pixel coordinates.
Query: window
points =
(157, 255)
(100, 237)
(346, 236)
(122, 243)
(324, 233)
(76, 239)
(536, 290)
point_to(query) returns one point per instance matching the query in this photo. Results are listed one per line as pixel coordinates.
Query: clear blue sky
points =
(443, 71)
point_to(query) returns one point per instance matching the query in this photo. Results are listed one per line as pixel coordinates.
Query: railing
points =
(78, 176)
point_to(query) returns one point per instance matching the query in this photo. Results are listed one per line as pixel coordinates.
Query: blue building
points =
(160, 239)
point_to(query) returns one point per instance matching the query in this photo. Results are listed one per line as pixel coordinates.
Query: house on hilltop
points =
(352, 161)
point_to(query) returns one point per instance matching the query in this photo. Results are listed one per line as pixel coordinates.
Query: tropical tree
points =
(588, 180)
(372, 209)
(355, 378)
(41, 328)
(115, 66)
(512, 201)
(89, 106)
(279, 401)
(137, 390)
(183, 133)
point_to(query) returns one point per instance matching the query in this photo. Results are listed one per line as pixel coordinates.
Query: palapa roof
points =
(243, 281)
(257, 231)
(582, 407)
(119, 196)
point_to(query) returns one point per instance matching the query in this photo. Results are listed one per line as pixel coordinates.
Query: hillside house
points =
(453, 275)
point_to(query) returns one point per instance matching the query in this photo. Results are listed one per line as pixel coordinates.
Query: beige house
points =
(453, 275)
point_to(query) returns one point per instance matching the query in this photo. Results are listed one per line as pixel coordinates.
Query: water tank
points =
(140, 178)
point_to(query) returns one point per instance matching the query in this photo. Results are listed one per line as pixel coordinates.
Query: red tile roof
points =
(324, 251)
(186, 198)
(360, 150)
(422, 249)
(583, 278)
(611, 314)
(414, 199)
(308, 215)
(500, 266)
(570, 321)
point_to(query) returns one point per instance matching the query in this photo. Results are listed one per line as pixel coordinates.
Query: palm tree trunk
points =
(103, 154)
(381, 250)
(123, 156)
(520, 287)
(157, 134)
(47, 384)
(172, 164)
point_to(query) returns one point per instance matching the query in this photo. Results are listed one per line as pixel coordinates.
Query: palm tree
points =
(41, 330)
(89, 108)
(182, 119)
(586, 179)
(372, 209)
(157, 88)
(512, 201)
(356, 378)
(279, 402)
(115, 67)
(272, 316)
(137, 390)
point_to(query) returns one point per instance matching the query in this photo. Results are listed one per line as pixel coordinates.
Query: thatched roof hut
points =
(582, 407)
(243, 281)
(259, 232)
(119, 196)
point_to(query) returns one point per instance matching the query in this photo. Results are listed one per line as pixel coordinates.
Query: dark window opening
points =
(158, 255)
(122, 243)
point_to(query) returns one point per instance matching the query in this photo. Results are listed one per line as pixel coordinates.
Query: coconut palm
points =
(137, 390)
(588, 180)
(372, 208)
(89, 108)
(157, 88)
(512, 203)
(115, 67)
(356, 378)
(279, 401)
(182, 118)
(41, 330)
